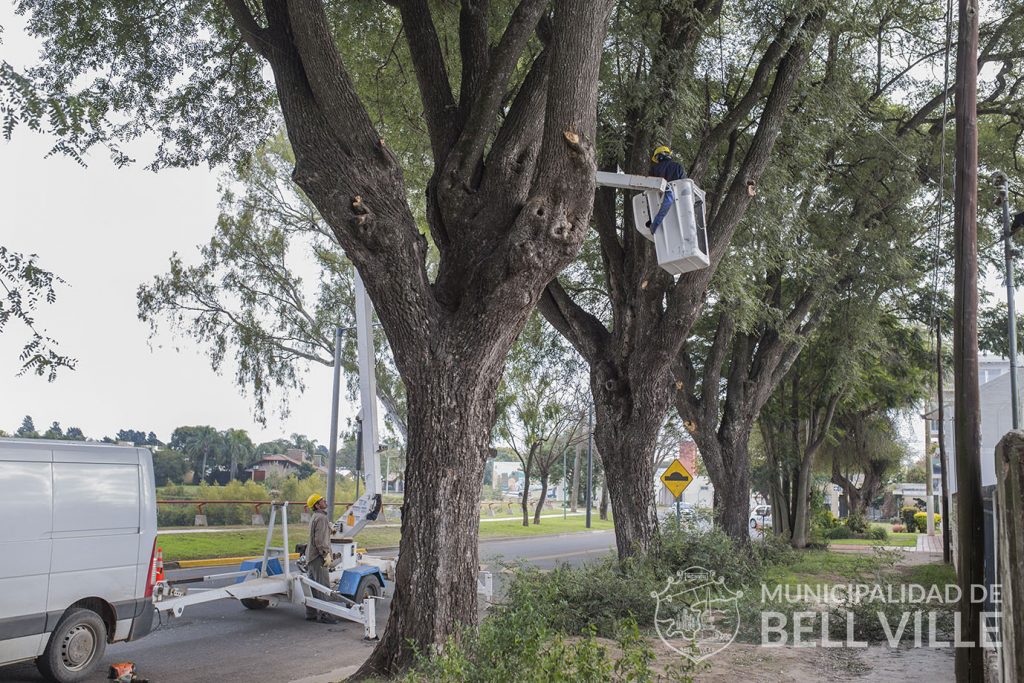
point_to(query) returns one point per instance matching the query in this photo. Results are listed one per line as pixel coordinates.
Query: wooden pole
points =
(967, 415)
(947, 521)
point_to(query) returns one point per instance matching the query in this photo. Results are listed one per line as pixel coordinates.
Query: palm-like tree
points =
(239, 446)
(203, 441)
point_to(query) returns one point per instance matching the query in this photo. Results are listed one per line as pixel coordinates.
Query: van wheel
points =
(255, 603)
(369, 587)
(75, 648)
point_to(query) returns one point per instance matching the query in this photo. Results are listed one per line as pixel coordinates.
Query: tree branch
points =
(431, 76)
(583, 330)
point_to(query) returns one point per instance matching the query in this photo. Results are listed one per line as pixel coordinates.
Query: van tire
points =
(369, 587)
(255, 603)
(75, 647)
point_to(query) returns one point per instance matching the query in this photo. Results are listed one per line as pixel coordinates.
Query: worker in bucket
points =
(318, 554)
(664, 166)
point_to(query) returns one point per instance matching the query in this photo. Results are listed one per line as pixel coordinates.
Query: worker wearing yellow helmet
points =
(318, 554)
(664, 166)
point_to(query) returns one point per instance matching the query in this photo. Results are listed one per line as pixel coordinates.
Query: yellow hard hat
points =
(313, 500)
(660, 150)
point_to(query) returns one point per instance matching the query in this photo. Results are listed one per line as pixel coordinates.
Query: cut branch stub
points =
(581, 151)
(363, 217)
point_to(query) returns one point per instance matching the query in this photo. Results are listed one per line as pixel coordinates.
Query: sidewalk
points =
(929, 544)
(387, 525)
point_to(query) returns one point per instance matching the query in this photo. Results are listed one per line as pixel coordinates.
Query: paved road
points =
(225, 641)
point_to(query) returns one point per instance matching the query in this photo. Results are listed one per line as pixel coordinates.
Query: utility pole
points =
(967, 414)
(1008, 253)
(590, 461)
(947, 521)
(332, 458)
(929, 487)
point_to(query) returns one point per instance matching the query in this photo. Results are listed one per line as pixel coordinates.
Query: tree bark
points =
(508, 207)
(602, 507)
(628, 418)
(524, 502)
(448, 446)
(803, 499)
(576, 479)
(544, 474)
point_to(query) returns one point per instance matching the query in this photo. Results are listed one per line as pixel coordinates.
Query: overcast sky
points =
(106, 231)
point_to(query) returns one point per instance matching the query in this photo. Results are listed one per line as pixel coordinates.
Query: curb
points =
(215, 561)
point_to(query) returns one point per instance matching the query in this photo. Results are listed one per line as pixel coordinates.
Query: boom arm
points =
(368, 506)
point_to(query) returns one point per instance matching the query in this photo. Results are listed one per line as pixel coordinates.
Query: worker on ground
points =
(664, 166)
(318, 554)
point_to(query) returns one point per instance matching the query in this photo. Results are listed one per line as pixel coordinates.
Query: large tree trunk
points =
(731, 479)
(435, 592)
(802, 503)
(629, 417)
(543, 496)
(524, 501)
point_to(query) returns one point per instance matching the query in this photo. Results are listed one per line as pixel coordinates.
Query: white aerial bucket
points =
(681, 241)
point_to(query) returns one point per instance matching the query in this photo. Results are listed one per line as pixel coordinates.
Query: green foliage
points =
(839, 532)
(517, 646)
(266, 227)
(169, 467)
(856, 522)
(908, 513)
(878, 533)
(921, 520)
(27, 430)
(25, 286)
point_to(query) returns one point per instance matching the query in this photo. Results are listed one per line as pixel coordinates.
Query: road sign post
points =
(676, 478)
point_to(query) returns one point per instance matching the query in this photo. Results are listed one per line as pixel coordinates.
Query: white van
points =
(77, 546)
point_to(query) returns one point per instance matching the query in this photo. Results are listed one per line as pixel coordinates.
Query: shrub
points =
(898, 528)
(822, 518)
(907, 513)
(878, 533)
(857, 523)
(921, 520)
(841, 531)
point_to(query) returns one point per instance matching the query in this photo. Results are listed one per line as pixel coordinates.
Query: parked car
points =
(78, 543)
(761, 517)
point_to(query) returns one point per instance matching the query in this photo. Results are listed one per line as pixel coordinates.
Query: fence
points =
(191, 511)
(238, 512)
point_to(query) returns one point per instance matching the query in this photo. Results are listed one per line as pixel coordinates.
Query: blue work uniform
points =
(669, 170)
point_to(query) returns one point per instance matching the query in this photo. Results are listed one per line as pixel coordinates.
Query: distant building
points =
(290, 462)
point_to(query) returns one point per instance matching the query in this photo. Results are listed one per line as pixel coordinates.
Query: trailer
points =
(265, 582)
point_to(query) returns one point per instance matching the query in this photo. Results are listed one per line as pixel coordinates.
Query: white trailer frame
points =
(288, 586)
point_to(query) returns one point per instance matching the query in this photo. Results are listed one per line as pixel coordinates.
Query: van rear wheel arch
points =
(101, 607)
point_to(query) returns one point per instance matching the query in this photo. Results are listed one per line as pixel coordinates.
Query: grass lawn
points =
(245, 543)
(929, 575)
(813, 567)
(903, 540)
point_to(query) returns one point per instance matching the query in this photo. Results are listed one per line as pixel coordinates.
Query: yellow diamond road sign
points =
(676, 478)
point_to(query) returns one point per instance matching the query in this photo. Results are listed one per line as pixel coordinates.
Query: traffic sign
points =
(676, 478)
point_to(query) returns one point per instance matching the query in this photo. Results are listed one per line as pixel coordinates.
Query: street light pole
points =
(332, 458)
(1008, 254)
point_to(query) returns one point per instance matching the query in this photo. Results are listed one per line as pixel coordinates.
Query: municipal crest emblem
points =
(696, 614)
